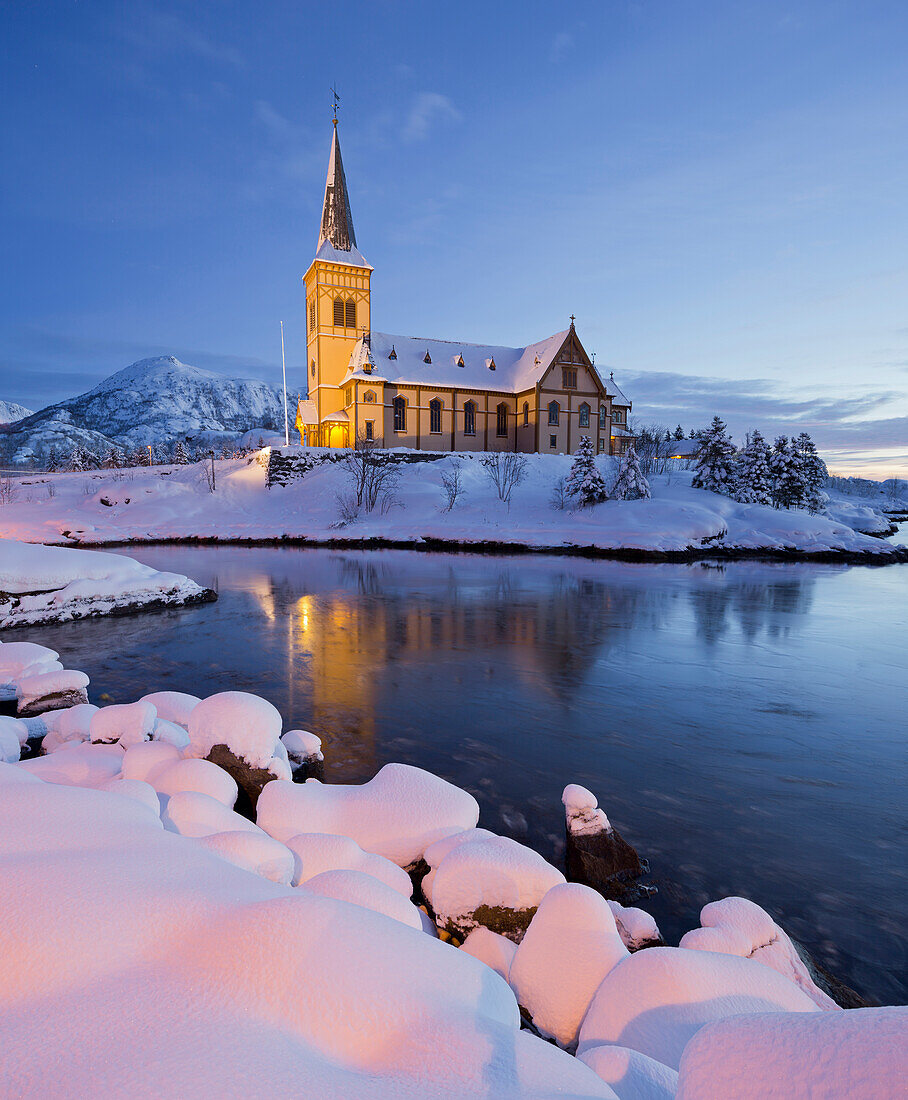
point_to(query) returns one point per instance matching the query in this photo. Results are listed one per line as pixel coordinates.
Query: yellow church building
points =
(437, 395)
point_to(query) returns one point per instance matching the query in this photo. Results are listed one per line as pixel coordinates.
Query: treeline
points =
(175, 453)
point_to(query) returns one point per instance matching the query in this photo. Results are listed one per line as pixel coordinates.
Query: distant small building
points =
(687, 449)
(438, 395)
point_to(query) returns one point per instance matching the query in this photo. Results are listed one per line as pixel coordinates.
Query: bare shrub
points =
(372, 474)
(347, 508)
(452, 483)
(505, 471)
(560, 496)
(7, 489)
(51, 490)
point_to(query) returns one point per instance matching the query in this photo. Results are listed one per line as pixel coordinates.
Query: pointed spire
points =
(337, 220)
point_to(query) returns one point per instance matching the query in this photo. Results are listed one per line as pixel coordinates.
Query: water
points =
(743, 724)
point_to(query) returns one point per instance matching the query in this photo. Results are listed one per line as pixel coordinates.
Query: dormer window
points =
(460, 361)
(392, 354)
(491, 364)
(428, 357)
(367, 367)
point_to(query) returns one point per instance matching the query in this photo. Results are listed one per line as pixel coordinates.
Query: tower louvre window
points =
(350, 313)
(501, 425)
(435, 415)
(312, 314)
(338, 312)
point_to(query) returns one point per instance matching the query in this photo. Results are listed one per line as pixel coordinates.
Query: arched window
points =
(338, 312)
(526, 413)
(434, 415)
(602, 417)
(369, 397)
(350, 313)
(501, 425)
(554, 410)
(469, 418)
(400, 414)
(583, 415)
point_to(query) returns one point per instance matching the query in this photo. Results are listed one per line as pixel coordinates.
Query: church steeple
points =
(337, 220)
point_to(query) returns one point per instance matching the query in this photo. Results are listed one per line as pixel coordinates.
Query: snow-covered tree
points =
(716, 460)
(679, 432)
(226, 451)
(137, 456)
(53, 460)
(754, 484)
(113, 460)
(76, 461)
(813, 473)
(631, 484)
(180, 457)
(584, 480)
(787, 474)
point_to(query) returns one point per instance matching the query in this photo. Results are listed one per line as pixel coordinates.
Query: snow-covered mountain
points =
(10, 412)
(153, 401)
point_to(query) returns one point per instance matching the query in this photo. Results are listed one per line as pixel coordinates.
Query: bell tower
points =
(337, 304)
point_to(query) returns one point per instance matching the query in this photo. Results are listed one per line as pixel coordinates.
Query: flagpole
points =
(284, 373)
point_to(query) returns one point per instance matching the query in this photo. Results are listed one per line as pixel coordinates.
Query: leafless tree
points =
(452, 483)
(7, 489)
(505, 470)
(373, 475)
(560, 495)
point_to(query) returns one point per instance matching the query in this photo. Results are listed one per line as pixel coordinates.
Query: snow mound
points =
(582, 812)
(397, 814)
(490, 948)
(170, 734)
(361, 889)
(302, 745)
(737, 926)
(14, 727)
(859, 1053)
(11, 773)
(569, 947)
(172, 706)
(193, 814)
(635, 926)
(145, 760)
(137, 789)
(196, 775)
(125, 724)
(253, 851)
(658, 999)
(319, 852)
(9, 744)
(633, 1076)
(78, 764)
(44, 688)
(71, 725)
(249, 726)
(17, 658)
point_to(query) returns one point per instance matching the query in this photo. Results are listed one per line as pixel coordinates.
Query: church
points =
(437, 395)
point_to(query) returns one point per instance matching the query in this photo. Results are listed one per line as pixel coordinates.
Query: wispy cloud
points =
(165, 32)
(427, 109)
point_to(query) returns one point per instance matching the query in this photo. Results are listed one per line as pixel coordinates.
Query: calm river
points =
(743, 724)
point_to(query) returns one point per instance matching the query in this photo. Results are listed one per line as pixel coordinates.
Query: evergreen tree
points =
(754, 477)
(226, 451)
(76, 461)
(679, 432)
(584, 480)
(787, 476)
(813, 473)
(53, 460)
(113, 460)
(716, 460)
(137, 456)
(631, 484)
(180, 457)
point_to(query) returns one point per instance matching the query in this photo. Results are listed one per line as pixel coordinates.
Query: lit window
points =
(370, 430)
(569, 379)
(469, 418)
(583, 418)
(501, 426)
(526, 413)
(400, 414)
(350, 313)
(338, 312)
(554, 410)
(435, 415)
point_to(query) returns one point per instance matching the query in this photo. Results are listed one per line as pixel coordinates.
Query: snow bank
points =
(361, 889)
(860, 1053)
(397, 814)
(656, 1000)
(194, 814)
(253, 851)
(737, 926)
(633, 1076)
(145, 760)
(249, 726)
(196, 775)
(78, 764)
(40, 584)
(319, 852)
(569, 947)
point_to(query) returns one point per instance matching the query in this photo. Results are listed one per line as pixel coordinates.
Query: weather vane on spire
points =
(336, 102)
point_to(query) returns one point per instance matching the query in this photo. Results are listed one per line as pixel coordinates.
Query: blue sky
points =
(716, 190)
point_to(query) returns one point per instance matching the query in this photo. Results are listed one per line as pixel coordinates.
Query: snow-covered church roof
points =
(417, 360)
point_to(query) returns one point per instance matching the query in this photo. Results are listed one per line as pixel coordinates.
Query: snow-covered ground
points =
(40, 584)
(156, 943)
(163, 503)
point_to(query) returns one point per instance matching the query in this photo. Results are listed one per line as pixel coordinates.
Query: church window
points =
(369, 397)
(603, 415)
(617, 415)
(554, 410)
(526, 413)
(338, 312)
(553, 441)
(469, 418)
(400, 414)
(501, 427)
(370, 430)
(583, 418)
(350, 313)
(601, 444)
(569, 379)
(435, 415)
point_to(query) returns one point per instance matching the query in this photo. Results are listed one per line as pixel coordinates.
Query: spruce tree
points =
(226, 451)
(679, 432)
(754, 477)
(716, 460)
(53, 460)
(631, 484)
(137, 456)
(787, 478)
(180, 457)
(813, 473)
(76, 459)
(113, 458)
(584, 480)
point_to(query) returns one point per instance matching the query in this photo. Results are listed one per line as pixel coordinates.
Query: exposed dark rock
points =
(596, 854)
(511, 923)
(310, 768)
(55, 700)
(842, 994)
(249, 780)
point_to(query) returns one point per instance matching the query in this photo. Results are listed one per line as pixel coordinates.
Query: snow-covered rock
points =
(23, 658)
(13, 728)
(51, 691)
(170, 733)
(137, 789)
(172, 706)
(78, 764)
(656, 1000)
(737, 926)
(860, 1053)
(68, 726)
(569, 947)
(595, 852)
(196, 775)
(145, 760)
(492, 881)
(125, 724)
(253, 851)
(397, 814)
(9, 744)
(246, 724)
(491, 948)
(636, 927)
(193, 814)
(633, 1076)
(359, 888)
(319, 852)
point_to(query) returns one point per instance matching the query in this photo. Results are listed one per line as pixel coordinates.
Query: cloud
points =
(428, 108)
(561, 44)
(157, 31)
